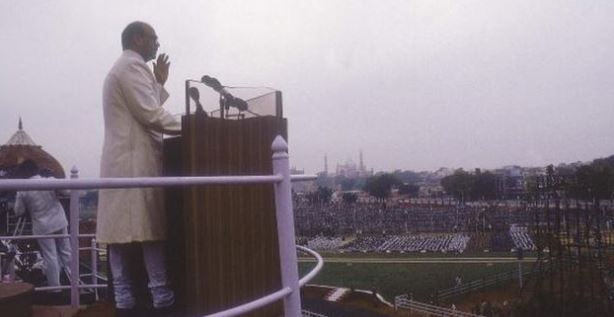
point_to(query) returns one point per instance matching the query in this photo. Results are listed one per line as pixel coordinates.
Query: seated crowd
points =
(423, 242)
(347, 219)
(324, 243)
(379, 227)
(453, 242)
(521, 238)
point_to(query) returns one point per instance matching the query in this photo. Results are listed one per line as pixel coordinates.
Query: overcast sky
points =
(415, 84)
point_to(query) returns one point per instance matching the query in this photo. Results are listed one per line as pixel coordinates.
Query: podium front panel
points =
(227, 233)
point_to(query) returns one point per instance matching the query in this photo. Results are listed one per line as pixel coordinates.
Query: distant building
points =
(304, 186)
(510, 182)
(349, 169)
(21, 147)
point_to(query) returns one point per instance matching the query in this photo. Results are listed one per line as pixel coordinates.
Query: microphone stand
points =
(187, 97)
(222, 106)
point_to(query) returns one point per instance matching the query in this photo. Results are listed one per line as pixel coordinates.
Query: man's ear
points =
(137, 40)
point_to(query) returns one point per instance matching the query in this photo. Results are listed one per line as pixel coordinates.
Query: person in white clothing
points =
(134, 122)
(48, 217)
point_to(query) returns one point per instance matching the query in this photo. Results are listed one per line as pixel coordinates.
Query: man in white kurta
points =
(134, 123)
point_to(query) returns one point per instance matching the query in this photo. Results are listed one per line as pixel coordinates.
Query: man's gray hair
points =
(132, 29)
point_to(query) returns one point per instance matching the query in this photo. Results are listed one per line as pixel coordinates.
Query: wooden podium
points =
(223, 247)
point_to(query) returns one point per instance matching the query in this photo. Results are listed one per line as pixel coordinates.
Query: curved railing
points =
(281, 179)
(273, 297)
(316, 269)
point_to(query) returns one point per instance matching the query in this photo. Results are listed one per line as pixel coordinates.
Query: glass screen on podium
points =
(260, 101)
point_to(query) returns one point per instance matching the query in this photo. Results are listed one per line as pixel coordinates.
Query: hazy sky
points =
(415, 84)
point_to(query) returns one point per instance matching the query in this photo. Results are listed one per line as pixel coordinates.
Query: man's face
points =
(147, 44)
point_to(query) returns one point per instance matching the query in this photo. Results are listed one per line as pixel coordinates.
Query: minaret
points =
(325, 164)
(361, 166)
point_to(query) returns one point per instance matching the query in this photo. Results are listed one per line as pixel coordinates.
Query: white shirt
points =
(47, 213)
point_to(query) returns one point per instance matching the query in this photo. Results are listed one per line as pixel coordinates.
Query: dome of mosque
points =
(21, 147)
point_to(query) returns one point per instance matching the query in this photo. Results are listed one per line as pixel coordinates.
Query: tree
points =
(324, 180)
(459, 184)
(349, 198)
(409, 177)
(379, 186)
(484, 186)
(531, 188)
(324, 194)
(321, 195)
(466, 186)
(592, 182)
(90, 198)
(345, 182)
(409, 189)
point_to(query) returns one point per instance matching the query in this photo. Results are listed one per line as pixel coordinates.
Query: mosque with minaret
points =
(349, 169)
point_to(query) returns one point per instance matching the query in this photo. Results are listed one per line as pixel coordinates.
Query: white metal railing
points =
(307, 313)
(481, 283)
(93, 261)
(281, 179)
(315, 270)
(402, 301)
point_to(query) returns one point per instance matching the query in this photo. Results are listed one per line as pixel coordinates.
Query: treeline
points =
(471, 186)
(588, 182)
(585, 182)
(378, 186)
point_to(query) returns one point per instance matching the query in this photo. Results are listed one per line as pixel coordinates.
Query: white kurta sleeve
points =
(19, 207)
(144, 100)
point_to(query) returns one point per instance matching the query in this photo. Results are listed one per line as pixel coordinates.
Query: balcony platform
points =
(55, 311)
(16, 298)
(98, 309)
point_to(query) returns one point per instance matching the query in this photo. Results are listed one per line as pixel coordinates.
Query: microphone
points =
(217, 86)
(239, 104)
(214, 84)
(195, 95)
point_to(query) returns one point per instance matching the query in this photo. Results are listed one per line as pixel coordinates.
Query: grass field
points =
(421, 255)
(391, 279)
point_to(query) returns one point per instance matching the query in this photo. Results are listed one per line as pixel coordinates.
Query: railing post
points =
(11, 271)
(94, 265)
(74, 242)
(285, 228)
(520, 274)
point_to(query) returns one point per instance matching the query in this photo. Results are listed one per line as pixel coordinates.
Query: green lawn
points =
(423, 255)
(421, 279)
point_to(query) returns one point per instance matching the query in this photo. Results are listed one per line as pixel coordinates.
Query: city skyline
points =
(415, 85)
(362, 168)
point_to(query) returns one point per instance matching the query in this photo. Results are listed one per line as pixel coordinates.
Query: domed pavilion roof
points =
(21, 147)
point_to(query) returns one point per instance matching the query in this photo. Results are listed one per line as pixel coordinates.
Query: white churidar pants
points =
(56, 254)
(153, 256)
